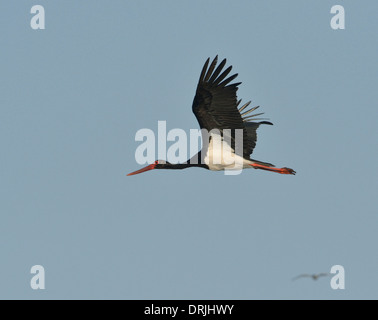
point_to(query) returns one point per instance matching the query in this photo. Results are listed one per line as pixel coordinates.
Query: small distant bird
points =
(216, 106)
(314, 276)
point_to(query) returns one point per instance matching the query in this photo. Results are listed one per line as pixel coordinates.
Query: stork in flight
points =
(215, 106)
(314, 276)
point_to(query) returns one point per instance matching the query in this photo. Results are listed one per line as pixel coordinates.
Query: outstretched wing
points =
(302, 276)
(250, 125)
(215, 105)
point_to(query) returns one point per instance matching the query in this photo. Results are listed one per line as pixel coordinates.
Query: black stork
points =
(215, 106)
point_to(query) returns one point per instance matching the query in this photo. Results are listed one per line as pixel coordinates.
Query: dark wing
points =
(323, 274)
(216, 107)
(302, 276)
(250, 125)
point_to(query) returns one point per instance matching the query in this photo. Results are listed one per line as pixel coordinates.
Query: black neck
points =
(184, 165)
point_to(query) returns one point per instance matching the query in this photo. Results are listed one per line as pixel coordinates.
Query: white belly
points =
(220, 156)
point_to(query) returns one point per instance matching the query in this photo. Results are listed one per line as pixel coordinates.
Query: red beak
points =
(149, 167)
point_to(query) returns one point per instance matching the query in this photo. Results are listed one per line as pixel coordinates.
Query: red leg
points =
(278, 170)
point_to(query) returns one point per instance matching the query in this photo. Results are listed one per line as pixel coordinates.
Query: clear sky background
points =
(74, 95)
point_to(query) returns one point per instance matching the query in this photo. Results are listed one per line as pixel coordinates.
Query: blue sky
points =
(74, 95)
